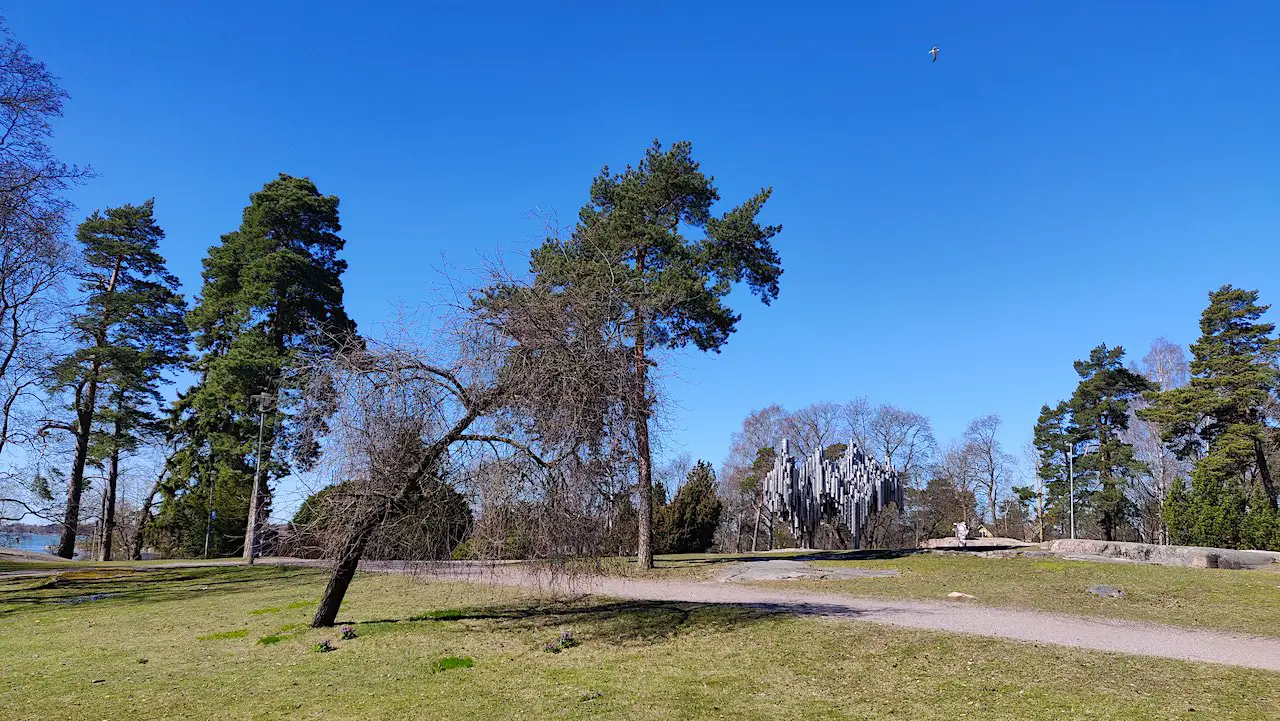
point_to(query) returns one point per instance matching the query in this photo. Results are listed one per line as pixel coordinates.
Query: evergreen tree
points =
(688, 523)
(128, 333)
(1054, 435)
(272, 293)
(1100, 414)
(631, 235)
(1220, 420)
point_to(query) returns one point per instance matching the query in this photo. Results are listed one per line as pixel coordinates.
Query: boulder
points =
(1186, 556)
(1106, 591)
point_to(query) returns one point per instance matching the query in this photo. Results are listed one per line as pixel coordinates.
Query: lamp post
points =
(252, 533)
(1071, 486)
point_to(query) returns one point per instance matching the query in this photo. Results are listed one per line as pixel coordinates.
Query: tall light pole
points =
(251, 536)
(1071, 485)
(208, 520)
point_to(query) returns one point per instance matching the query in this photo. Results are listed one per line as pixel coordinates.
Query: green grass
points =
(223, 635)
(451, 662)
(1244, 601)
(633, 660)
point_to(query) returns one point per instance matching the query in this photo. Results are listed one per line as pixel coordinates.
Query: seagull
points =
(934, 52)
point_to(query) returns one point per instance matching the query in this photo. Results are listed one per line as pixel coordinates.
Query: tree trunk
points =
(755, 531)
(144, 516)
(75, 485)
(344, 568)
(109, 517)
(1264, 472)
(644, 461)
(113, 476)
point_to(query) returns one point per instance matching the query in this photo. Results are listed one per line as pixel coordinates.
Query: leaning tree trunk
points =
(144, 516)
(344, 569)
(75, 484)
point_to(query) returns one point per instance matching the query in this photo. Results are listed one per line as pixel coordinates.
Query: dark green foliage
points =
(431, 528)
(1100, 414)
(1052, 438)
(688, 523)
(1089, 427)
(272, 294)
(834, 451)
(667, 288)
(1221, 421)
(127, 335)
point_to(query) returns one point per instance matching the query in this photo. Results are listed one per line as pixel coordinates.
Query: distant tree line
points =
(1173, 452)
(1168, 450)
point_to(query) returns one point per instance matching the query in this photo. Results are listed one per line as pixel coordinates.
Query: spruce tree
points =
(272, 292)
(1220, 420)
(631, 234)
(688, 523)
(128, 334)
(1054, 436)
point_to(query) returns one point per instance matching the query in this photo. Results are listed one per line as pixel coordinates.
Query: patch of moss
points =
(222, 635)
(446, 663)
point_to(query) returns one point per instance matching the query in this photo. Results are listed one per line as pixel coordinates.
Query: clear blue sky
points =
(955, 233)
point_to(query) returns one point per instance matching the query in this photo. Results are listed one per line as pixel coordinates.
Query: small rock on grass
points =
(957, 594)
(1106, 591)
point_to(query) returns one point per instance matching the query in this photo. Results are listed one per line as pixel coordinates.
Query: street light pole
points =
(208, 519)
(255, 497)
(1071, 486)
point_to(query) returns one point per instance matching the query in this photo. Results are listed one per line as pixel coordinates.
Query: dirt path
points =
(1129, 637)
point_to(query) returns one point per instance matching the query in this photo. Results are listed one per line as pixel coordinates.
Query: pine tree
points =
(1100, 414)
(272, 293)
(128, 334)
(631, 234)
(1220, 421)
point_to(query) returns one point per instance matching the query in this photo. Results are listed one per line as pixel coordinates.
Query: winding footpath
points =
(1128, 637)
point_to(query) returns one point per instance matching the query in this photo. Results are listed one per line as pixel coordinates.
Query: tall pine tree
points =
(1100, 414)
(272, 291)
(631, 235)
(128, 333)
(1220, 420)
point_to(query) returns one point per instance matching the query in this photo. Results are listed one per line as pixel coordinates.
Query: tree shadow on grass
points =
(615, 622)
(118, 586)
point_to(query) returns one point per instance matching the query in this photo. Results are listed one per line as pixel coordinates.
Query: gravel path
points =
(1130, 637)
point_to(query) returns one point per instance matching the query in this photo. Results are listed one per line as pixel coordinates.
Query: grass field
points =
(231, 643)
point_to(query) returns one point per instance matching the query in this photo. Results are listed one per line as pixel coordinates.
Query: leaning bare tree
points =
(522, 385)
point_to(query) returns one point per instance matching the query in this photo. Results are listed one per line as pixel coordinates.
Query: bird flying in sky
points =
(934, 52)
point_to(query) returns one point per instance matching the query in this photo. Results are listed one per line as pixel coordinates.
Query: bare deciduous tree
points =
(514, 395)
(1166, 365)
(903, 439)
(989, 463)
(814, 427)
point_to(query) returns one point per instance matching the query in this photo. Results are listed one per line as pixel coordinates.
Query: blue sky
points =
(955, 233)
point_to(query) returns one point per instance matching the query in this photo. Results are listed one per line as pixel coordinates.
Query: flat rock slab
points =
(780, 569)
(1106, 591)
(1188, 556)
